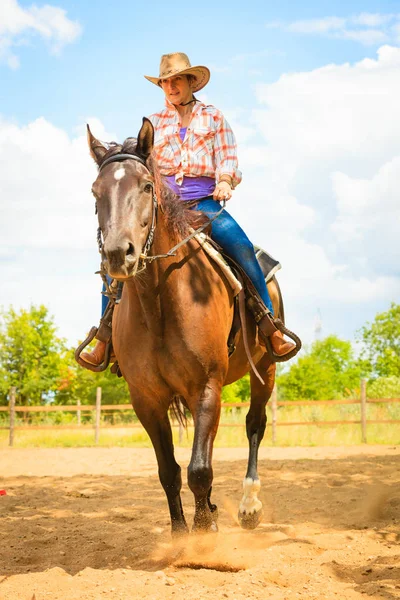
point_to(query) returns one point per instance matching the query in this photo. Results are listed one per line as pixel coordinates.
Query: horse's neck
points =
(159, 289)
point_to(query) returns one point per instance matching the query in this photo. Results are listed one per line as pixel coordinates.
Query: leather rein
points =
(144, 256)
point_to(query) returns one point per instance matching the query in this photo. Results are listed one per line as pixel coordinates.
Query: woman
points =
(196, 153)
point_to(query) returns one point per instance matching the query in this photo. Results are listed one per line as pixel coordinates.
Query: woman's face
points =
(177, 89)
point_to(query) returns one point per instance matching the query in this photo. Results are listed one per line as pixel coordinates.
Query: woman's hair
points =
(191, 78)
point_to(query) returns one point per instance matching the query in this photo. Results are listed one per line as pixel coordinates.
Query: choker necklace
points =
(190, 102)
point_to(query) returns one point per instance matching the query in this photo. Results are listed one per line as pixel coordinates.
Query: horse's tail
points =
(178, 411)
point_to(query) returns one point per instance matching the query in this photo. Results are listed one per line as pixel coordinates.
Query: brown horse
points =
(171, 326)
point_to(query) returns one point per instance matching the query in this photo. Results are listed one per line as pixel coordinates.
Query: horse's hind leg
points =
(250, 509)
(158, 427)
(206, 414)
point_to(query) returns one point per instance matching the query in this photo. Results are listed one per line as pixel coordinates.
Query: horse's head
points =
(125, 200)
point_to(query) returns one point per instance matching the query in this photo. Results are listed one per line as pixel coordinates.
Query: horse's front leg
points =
(206, 415)
(250, 508)
(156, 422)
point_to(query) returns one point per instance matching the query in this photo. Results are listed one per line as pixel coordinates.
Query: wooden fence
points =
(97, 409)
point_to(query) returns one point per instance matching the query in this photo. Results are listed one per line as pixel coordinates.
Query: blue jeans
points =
(104, 299)
(231, 237)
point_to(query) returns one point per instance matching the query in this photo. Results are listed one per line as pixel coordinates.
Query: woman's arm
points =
(225, 150)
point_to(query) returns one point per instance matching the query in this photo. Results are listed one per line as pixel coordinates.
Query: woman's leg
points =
(104, 299)
(231, 237)
(96, 356)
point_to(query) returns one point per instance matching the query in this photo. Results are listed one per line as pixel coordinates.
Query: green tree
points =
(328, 370)
(384, 387)
(80, 384)
(31, 355)
(239, 391)
(381, 344)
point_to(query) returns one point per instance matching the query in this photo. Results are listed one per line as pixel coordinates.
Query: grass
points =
(291, 435)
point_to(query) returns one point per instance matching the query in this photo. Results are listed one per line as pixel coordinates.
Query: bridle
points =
(150, 237)
(144, 256)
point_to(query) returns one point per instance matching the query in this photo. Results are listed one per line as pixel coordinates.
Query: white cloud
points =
(366, 28)
(337, 112)
(6, 54)
(372, 19)
(48, 250)
(320, 188)
(45, 181)
(367, 37)
(48, 22)
(367, 223)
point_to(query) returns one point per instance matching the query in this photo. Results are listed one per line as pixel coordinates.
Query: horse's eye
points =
(148, 188)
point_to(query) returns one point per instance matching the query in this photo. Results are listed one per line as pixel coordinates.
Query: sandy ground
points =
(93, 524)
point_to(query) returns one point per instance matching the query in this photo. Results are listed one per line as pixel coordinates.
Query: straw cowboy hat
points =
(178, 63)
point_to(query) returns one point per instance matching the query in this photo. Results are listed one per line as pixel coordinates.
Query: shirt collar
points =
(172, 108)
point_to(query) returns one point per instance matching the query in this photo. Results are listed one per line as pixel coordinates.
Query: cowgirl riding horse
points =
(196, 153)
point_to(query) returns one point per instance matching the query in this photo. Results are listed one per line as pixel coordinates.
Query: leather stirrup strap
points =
(242, 313)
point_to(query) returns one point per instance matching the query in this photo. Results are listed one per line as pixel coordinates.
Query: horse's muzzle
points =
(119, 260)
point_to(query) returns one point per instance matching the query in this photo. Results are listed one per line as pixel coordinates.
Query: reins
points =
(144, 256)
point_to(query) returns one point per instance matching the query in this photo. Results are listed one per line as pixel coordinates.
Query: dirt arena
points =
(93, 524)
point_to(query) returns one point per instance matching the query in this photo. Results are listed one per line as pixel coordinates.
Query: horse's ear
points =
(145, 139)
(97, 148)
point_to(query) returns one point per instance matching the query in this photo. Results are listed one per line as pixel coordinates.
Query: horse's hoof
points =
(205, 525)
(209, 528)
(179, 530)
(250, 520)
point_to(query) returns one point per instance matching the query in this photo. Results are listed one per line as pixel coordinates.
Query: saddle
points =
(245, 294)
(268, 264)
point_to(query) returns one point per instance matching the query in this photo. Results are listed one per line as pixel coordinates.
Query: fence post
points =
(364, 411)
(98, 413)
(78, 412)
(12, 416)
(274, 406)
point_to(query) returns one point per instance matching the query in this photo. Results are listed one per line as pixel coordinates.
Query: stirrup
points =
(107, 354)
(275, 357)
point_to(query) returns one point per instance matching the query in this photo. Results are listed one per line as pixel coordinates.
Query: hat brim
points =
(202, 75)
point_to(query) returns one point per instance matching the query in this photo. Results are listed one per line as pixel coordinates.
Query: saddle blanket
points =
(268, 264)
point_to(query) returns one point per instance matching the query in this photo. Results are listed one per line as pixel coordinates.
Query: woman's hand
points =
(223, 191)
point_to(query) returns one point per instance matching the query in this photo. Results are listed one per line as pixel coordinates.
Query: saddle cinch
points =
(244, 294)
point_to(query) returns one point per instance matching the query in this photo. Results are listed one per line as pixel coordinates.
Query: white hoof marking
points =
(250, 503)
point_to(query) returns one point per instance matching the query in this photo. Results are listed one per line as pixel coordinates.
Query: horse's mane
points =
(180, 218)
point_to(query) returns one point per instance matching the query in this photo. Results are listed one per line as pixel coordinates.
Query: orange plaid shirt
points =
(208, 149)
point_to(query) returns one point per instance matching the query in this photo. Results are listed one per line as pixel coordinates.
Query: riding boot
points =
(266, 328)
(103, 337)
(96, 356)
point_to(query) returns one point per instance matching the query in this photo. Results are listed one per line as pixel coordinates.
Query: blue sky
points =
(102, 71)
(316, 126)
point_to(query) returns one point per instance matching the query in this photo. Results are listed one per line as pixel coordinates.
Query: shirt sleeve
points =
(225, 150)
